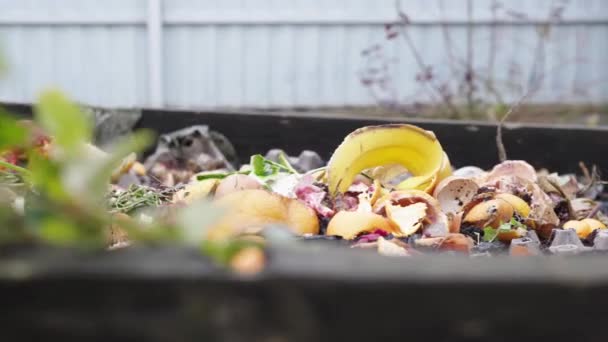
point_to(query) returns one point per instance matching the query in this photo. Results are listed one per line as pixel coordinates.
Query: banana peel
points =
(416, 149)
(446, 169)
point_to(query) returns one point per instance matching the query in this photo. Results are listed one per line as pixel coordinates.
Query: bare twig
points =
(502, 153)
(594, 211)
(585, 171)
(469, 77)
(593, 179)
(562, 193)
(423, 67)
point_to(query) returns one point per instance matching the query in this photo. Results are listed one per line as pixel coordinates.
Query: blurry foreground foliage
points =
(63, 194)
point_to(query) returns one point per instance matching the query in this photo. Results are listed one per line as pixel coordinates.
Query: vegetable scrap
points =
(389, 188)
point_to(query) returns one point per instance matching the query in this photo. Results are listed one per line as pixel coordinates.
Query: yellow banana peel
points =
(446, 168)
(414, 148)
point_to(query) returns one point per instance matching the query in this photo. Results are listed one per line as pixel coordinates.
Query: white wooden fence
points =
(298, 53)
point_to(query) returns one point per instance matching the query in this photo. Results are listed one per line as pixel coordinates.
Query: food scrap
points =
(388, 188)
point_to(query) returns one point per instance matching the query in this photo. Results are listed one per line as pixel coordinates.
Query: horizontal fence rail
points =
(296, 53)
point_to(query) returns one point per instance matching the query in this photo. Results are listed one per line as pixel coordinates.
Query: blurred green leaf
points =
(59, 232)
(63, 120)
(66, 223)
(11, 134)
(46, 177)
(87, 177)
(154, 233)
(195, 219)
(65, 232)
(212, 175)
(218, 175)
(135, 142)
(223, 251)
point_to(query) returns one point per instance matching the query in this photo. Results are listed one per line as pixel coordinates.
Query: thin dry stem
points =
(594, 211)
(502, 152)
(585, 171)
(469, 76)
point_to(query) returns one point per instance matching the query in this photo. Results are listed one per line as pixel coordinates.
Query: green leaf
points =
(85, 177)
(512, 224)
(46, 176)
(265, 168)
(60, 232)
(69, 226)
(223, 251)
(101, 172)
(202, 177)
(489, 234)
(261, 167)
(219, 175)
(63, 120)
(505, 226)
(11, 132)
(285, 162)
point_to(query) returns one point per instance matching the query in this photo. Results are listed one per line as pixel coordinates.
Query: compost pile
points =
(388, 188)
(391, 188)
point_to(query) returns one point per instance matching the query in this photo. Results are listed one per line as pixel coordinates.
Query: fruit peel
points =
(349, 224)
(253, 209)
(416, 149)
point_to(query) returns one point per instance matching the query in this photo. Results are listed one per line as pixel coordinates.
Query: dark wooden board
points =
(310, 294)
(557, 148)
